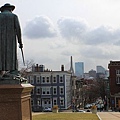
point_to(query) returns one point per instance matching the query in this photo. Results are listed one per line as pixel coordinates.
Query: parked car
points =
(87, 106)
(47, 109)
(88, 110)
(100, 106)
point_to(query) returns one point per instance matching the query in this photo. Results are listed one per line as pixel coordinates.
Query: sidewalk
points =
(109, 115)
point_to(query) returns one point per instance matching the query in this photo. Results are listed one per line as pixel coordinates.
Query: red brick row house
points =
(114, 77)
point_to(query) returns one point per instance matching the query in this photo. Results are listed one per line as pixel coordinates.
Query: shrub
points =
(93, 107)
(55, 107)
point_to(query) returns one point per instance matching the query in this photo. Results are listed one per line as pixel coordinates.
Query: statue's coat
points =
(9, 30)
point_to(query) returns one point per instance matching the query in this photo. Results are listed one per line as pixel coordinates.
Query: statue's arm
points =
(18, 30)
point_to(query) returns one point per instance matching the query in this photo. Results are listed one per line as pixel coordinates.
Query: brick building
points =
(114, 77)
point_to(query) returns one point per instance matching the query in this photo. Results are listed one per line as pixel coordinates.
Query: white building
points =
(51, 88)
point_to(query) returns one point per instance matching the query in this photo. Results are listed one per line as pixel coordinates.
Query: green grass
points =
(66, 116)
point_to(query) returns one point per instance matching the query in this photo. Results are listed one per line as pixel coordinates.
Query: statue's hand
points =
(20, 45)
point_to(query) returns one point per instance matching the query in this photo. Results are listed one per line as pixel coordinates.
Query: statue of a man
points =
(9, 31)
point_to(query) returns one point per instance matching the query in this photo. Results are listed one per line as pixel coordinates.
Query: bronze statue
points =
(9, 31)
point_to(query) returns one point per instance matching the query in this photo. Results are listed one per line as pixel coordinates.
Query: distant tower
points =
(100, 69)
(71, 67)
(79, 69)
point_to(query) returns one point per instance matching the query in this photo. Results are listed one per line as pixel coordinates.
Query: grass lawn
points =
(65, 116)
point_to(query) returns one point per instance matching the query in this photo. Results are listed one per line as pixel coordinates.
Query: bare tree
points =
(28, 68)
(95, 90)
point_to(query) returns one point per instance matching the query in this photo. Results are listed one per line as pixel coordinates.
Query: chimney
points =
(42, 68)
(36, 68)
(33, 68)
(62, 67)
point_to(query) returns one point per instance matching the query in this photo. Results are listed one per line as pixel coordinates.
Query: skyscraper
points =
(102, 72)
(100, 69)
(79, 69)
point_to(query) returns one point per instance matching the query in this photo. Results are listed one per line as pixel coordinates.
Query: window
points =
(54, 101)
(118, 80)
(62, 101)
(31, 80)
(61, 90)
(48, 80)
(37, 90)
(118, 76)
(54, 90)
(32, 92)
(38, 102)
(61, 79)
(43, 91)
(117, 72)
(45, 102)
(49, 102)
(43, 79)
(37, 79)
(54, 80)
(46, 90)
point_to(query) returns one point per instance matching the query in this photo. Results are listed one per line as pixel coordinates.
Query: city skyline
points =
(52, 31)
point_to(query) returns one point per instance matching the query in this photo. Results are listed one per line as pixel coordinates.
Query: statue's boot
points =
(1, 74)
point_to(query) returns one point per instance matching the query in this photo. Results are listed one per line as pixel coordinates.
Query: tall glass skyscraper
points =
(79, 69)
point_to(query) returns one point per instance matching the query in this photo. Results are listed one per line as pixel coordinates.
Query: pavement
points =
(109, 115)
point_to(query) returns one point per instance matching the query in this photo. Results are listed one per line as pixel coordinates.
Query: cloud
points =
(117, 34)
(40, 27)
(100, 52)
(78, 30)
(72, 27)
(57, 44)
(100, 35)
(69, 52)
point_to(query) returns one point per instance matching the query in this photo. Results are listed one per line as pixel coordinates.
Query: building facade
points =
(92, 73)
(100, 69)
(50, 88)
(114, 78)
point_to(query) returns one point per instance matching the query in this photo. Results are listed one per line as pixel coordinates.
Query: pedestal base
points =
(15, 103)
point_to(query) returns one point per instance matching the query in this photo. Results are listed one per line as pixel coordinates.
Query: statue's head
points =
(7, 6)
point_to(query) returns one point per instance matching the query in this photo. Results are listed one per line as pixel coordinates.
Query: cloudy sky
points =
(54, 30)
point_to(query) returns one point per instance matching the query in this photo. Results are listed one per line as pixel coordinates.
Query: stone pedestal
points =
(15, 103)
